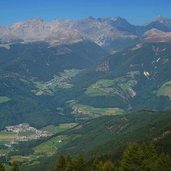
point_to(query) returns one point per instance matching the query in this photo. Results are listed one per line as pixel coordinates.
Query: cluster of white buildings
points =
(24, 127)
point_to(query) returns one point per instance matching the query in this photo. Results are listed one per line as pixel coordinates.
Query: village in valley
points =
(25, 132)
(19, 133)
(12, 138)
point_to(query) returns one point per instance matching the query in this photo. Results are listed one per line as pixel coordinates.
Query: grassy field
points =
(61, 81)
(5, 141)
(20, 158)
(47, 148)
(51, 146)
(27, 134)
(59, 128)
(4, 99)
(165, 90)
(111, 87)
(68, 125)
(27, 160)
(6, 137)
(92, 112)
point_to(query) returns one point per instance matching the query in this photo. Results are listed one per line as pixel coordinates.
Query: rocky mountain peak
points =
(161, 23)
(118, 19)
(162, 19)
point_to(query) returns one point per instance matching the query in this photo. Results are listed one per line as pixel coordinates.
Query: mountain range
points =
(106, 32)
(105, 76)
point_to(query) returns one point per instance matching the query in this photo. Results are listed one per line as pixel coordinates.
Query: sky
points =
(135, 11)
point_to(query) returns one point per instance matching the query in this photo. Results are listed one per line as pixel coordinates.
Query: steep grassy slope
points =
(108, 135)
(101, 135)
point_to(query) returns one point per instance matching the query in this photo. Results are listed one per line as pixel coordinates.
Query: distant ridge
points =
(102, 31)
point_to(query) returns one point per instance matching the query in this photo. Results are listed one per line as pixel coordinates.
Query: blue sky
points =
(135, 11)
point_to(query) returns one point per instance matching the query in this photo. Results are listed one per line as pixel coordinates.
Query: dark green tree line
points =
(136, 157)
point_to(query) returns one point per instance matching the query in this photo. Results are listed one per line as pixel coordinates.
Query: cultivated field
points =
(165, 90)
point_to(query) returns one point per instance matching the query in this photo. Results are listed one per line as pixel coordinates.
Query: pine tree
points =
(108, 166)
(132, 158)
(61, 164)
(69, 163)
(97, 165)
(80, 163)
(163, 163)
(2, 168)
(139, 157)
(149, 156)
(15, 166)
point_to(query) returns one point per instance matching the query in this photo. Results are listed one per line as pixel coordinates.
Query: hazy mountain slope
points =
(24, 106)
(131, 79)
(52, 79)
(35, 80)
(42, 61)
(155, 35)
